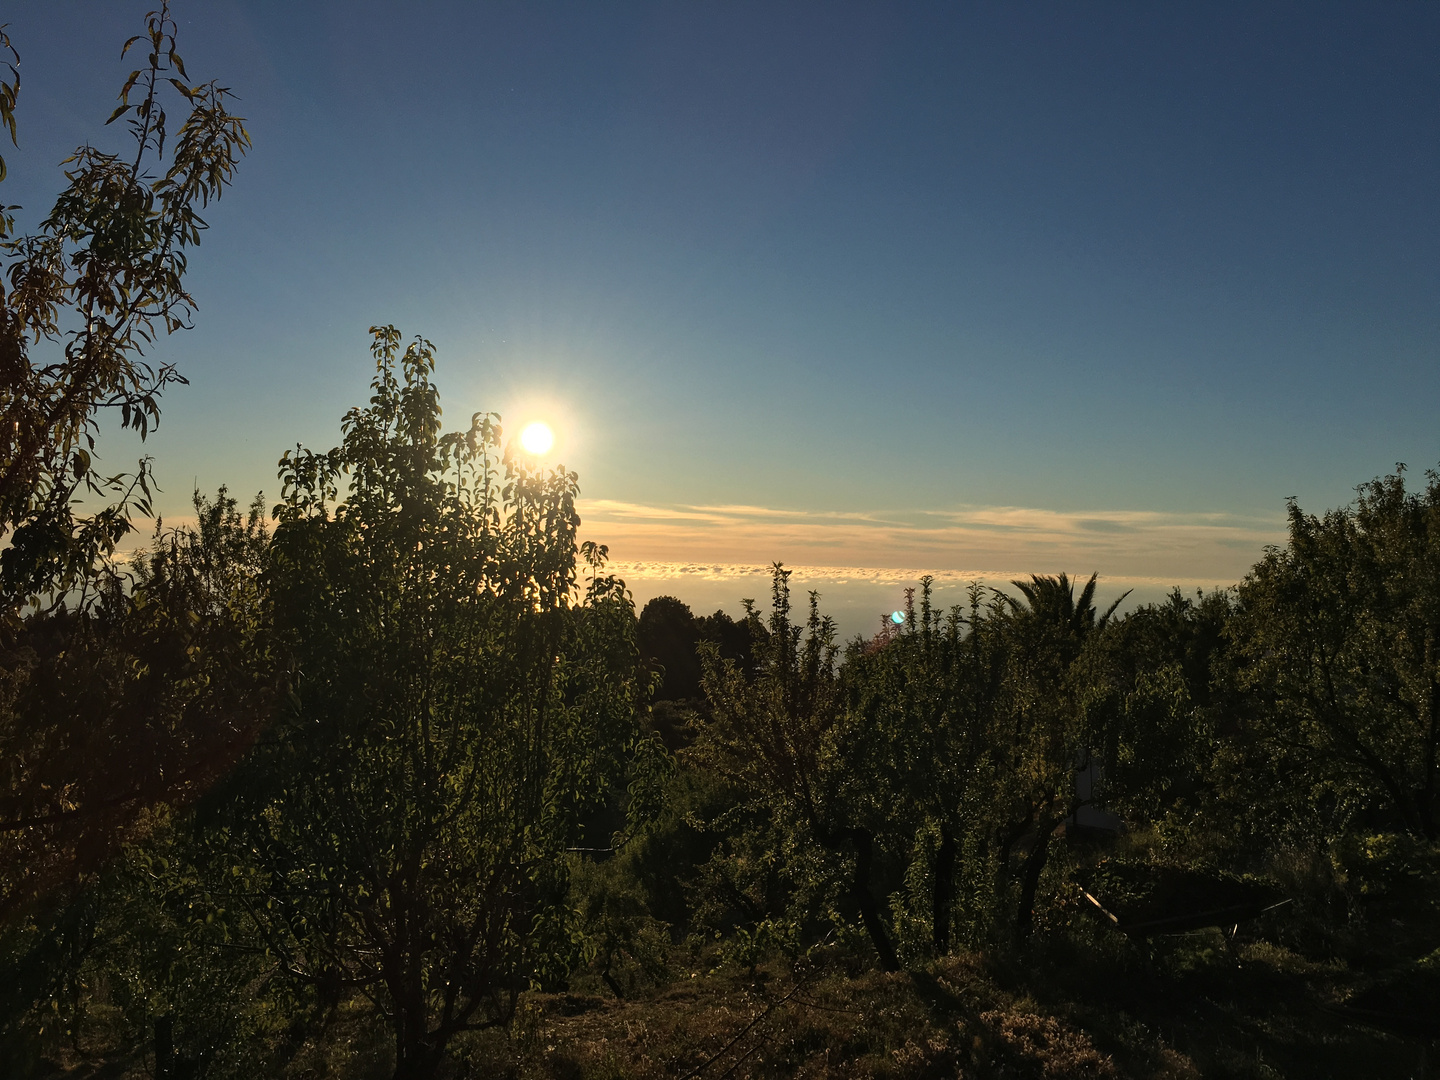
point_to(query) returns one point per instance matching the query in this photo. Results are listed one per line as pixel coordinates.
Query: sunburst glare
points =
(537, 438)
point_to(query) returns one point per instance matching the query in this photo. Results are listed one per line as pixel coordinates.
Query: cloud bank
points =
(964, 543)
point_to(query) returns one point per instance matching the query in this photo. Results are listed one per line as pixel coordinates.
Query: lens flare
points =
(537, 438)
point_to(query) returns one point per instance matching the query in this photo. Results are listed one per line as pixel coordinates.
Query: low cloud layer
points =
(966, 543)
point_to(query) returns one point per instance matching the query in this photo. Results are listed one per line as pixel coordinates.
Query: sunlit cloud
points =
(985, 541)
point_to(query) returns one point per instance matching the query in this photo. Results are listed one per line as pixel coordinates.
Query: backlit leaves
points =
(82, 300)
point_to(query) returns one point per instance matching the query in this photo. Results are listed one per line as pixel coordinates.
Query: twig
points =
(742, 1033)
(744, 1057)
(828, 1008)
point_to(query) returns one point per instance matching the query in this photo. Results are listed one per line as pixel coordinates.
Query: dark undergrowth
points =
(1341, 982)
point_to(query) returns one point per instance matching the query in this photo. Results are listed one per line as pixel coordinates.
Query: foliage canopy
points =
(456, 707)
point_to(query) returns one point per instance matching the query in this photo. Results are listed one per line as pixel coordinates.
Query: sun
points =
(537, 438)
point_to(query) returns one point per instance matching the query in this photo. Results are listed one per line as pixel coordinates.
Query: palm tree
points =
(1054, 607)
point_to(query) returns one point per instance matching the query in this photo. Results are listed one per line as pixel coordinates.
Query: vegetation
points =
(402, 784)
(81, 299)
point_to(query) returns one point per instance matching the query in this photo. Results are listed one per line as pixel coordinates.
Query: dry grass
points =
(949, 1021)
(1191, 1011)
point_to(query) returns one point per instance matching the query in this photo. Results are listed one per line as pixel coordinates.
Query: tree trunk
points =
(943, 892)
(609, 980)
(1432, 745)
(416, 1062)
(416, 1051)
(869, 909)
(1030, 879)
(165, 1047)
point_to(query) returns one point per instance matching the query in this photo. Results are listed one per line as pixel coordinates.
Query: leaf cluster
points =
(83, 299)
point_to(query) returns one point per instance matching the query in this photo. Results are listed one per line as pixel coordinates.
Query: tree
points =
(81, 301)
(1040, 737)
(87, 723)
(668, 634)
(456, 708)
(784, 737)
(1338, 634)
(975, 726)
(115, 718)
(1159, 701)
(925, 694)
(145, 696)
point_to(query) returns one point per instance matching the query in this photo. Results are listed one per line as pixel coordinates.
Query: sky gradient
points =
(975, 289)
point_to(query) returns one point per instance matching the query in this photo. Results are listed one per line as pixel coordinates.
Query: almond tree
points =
(83, 298)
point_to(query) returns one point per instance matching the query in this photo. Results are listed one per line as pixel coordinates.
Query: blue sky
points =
(962, 287)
